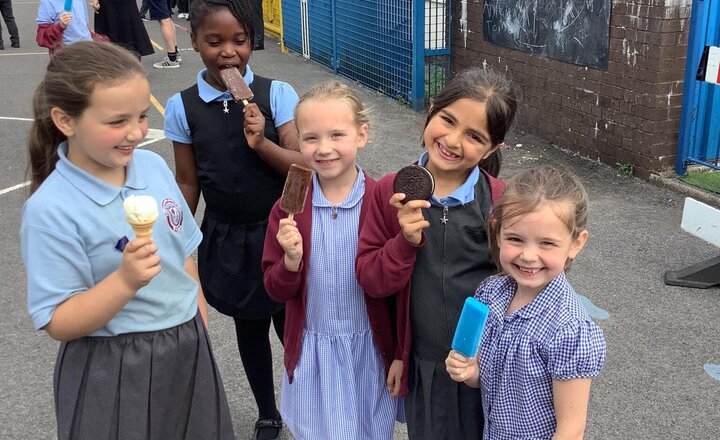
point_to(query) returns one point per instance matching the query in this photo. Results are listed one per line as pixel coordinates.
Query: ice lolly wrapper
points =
(235, 82)
(141, 212)
(68, 5)
(295, 191)
(470, 327)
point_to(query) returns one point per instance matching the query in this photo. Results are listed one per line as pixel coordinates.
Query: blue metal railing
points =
(399, 47)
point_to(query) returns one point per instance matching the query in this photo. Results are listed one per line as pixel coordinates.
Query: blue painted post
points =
(691, 87)
(335, 61)
(418, 55)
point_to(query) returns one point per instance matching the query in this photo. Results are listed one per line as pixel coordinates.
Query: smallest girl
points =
(540, 349)
(341, 375)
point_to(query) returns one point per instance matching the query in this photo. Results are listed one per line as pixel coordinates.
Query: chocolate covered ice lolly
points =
(295, 191)
(235, 82)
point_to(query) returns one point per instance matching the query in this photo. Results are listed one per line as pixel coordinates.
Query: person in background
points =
(6, 10)
(161, 11)
(120, 21)
(58, 28)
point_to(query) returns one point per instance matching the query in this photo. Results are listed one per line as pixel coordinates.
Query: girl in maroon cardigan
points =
(432, 254)
(342, 365)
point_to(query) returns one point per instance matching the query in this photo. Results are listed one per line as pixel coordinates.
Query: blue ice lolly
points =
(68, 5)
(470, 327)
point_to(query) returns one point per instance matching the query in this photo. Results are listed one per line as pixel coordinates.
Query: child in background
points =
(434, 253)
(57, 27)
(238, 158)
(341, 372)
(135, 361)
(540, 349)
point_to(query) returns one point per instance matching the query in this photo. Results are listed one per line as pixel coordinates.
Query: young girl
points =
(135, 361)
(433, 253)
(238, 158)
(58, 27)
(341, 374)
(540, 350)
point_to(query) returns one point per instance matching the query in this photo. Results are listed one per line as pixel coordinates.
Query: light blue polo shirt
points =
(283, 100)
(49, 12)
(464, 194)
(71, 226)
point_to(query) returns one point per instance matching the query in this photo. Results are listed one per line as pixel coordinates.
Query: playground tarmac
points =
(661, 376)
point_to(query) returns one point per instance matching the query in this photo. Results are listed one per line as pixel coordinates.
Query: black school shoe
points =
(15, 45)
(2, 46)
(268, 429)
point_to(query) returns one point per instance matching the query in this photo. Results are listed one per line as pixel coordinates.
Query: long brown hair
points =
(530, 188)
(499, 96)
(71, 77)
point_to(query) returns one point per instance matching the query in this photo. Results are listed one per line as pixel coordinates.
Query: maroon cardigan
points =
(290, 287)
(386, 259)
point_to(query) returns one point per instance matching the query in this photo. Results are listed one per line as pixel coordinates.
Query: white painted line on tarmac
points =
(13, 188)
(153, 135)
(8, 118)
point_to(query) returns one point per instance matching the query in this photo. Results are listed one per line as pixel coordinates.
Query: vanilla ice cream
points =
(140, 209)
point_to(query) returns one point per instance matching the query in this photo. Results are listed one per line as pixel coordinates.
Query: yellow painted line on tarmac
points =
(157, 105)
(156, 45)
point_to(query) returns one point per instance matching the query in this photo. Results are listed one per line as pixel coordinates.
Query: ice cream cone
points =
(143, 229)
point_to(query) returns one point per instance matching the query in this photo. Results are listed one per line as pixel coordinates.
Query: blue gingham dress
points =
(551, 338)
(339, 389)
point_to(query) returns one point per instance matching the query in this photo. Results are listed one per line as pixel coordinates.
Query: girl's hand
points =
(96, 5)
(65, 19)
(394, 376)
(139, 263)
(291, 241)
(254, 126)
(462, 369)
(410, 216)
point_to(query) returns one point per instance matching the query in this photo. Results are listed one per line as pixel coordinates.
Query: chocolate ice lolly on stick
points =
(295, 191)
(235, 82)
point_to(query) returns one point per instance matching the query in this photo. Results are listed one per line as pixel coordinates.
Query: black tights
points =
(253, 338)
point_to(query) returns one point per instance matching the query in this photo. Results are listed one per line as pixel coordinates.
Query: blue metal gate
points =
(375, 42)
(699, 139)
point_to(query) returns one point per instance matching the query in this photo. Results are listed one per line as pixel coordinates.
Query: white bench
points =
(702, 221)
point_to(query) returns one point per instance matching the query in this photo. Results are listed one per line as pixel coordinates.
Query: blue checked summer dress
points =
(339, 390)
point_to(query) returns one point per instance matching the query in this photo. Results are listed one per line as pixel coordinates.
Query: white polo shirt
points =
(69, 234)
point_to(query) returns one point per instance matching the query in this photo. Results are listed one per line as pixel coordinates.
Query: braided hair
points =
(240, 9)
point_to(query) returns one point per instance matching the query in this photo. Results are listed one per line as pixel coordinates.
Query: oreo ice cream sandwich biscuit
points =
(415, 182)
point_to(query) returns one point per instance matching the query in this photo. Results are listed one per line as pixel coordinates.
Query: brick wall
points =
(627, 114)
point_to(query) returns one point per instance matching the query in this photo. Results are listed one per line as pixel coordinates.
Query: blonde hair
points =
(528, 190)
(335, 90)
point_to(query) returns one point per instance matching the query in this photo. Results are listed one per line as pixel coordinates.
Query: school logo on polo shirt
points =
(173, 214)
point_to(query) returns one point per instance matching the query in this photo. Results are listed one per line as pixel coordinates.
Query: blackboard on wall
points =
(575, 31)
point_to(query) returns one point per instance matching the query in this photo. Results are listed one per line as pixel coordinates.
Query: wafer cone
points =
(143, 229)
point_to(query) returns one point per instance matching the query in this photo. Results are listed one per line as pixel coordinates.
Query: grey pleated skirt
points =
(161, 385)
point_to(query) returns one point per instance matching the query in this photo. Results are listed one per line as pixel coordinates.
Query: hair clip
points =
(502, 145)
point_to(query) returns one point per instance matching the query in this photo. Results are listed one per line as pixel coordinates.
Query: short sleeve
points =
(57, 268)
(283, 100)
(176, 125)
(578, 351)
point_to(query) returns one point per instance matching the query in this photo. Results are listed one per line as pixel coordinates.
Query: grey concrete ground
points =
(659, 337)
